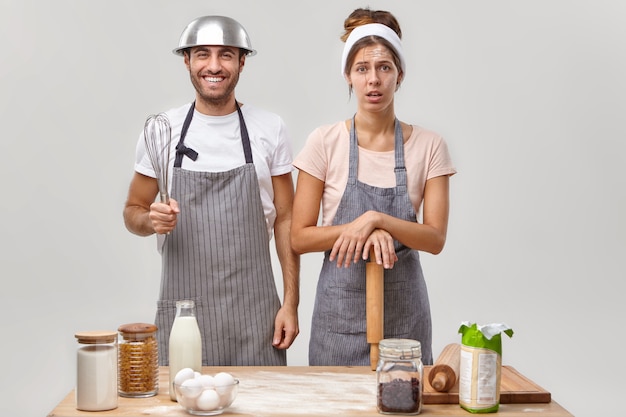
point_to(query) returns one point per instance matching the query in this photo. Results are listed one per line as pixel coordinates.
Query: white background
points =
(530, 95)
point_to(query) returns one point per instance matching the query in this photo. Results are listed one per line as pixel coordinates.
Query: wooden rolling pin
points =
(374, 305)
(445, 371)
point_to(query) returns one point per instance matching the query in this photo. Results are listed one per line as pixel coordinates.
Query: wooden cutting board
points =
(515, 388)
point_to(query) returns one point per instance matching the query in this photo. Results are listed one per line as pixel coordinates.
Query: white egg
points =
(191, 388)
(189, 403)
(196, 374)
(207, 381)
(208, 400)
(223, 382)
(226, 396)
(223, 378)
(183, 375)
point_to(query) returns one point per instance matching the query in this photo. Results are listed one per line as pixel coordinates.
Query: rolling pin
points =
(374, 305)
(445, 371)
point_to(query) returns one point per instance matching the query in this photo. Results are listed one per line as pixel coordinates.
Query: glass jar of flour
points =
(96, 370)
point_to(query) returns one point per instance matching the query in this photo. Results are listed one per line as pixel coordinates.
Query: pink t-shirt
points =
(326, 155)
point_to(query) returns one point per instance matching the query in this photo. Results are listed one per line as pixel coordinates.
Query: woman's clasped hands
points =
(360, 237)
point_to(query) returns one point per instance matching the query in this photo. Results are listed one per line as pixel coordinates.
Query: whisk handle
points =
(165, 198)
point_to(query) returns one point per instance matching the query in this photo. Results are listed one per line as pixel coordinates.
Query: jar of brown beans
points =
(400, 375)
(138, 360)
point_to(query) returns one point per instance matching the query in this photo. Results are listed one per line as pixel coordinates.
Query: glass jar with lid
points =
(399, 376)
(96, 370)
(138, 360)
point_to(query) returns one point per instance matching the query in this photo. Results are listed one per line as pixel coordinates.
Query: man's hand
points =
(285, 328)
(164, 216)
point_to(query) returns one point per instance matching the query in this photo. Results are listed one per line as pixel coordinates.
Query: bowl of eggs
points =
(204, 394)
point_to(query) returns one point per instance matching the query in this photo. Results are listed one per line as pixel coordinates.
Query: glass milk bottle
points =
(96, 371)
(185, 345)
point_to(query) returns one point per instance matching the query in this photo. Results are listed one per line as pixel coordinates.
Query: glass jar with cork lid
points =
(138, 360)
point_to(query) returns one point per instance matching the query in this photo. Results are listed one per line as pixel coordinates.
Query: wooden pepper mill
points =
(375, 299)
(444, 373)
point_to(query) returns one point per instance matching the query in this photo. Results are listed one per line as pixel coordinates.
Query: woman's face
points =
(374, 77)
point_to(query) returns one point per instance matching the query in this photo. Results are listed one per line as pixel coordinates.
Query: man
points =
(231, 188)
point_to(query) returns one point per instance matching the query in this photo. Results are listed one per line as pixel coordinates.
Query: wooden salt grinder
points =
(444, 373)
(375, 298)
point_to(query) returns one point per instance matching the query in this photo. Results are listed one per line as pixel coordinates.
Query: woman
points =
(371, 174)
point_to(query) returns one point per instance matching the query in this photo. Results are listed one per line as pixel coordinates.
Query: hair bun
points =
(364, 16)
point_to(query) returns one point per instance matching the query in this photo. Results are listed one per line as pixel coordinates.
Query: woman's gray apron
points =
(218, 255)
(338, 334)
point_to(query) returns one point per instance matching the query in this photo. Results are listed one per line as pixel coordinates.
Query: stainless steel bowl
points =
(214, 30)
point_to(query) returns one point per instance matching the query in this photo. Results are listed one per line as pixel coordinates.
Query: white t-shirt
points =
(217, 140)
(326, 156)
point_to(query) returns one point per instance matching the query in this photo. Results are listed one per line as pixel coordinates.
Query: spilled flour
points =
(281, 394)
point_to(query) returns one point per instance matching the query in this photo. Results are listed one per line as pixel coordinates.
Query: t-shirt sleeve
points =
(440, 161)
(142, 161)
(312, 158)
(283, 154)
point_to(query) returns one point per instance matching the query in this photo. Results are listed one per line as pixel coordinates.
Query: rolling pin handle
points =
(439, 381)
(374, 353)
(444, 373)
(374, 294)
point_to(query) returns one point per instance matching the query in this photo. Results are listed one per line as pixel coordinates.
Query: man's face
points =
(214, 72)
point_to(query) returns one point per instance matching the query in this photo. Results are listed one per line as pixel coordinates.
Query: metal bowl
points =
(214, 30)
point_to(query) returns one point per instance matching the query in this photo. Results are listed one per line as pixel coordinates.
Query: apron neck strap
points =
(245, 139)
(182, 150)
(399, 169)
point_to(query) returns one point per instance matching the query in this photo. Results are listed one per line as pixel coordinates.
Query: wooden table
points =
(295, 391)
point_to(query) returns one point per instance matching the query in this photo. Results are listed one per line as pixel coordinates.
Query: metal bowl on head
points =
(214, 30)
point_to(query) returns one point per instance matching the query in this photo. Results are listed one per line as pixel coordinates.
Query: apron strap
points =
(245, 139)
(399, 169)
(354, 154)
(182, 150)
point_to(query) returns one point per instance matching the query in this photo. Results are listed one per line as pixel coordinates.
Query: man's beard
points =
(215, 98)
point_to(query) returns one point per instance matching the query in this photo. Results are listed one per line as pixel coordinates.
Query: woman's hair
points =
(364, 16)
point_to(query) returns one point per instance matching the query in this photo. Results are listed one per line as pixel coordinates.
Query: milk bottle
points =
(185, 345)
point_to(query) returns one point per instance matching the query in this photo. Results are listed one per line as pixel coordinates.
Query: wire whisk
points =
(157, 133)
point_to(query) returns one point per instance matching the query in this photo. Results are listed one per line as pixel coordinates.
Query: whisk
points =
(157, 133)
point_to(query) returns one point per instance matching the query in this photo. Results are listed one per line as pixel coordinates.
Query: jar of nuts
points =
(138, 360)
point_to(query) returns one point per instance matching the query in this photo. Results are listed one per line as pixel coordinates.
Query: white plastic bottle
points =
(185, 345)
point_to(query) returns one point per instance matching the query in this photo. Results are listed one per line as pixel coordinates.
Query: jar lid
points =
(96, 336)
(400, 348)
(137, 330)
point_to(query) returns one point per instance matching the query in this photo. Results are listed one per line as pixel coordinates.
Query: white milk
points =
(185, 348)
(96, 378)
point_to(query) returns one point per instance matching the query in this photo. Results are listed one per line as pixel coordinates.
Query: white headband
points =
(376, 29)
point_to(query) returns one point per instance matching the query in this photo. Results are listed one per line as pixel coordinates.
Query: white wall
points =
(530, 96)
